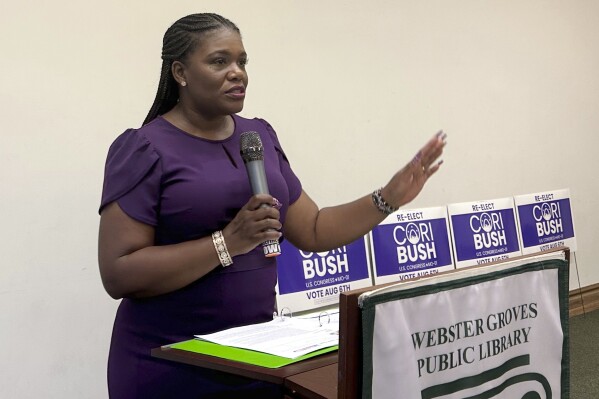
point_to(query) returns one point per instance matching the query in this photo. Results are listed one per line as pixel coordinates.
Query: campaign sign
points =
(545, 221)
(483, 231)
(309, 280)
(411, 243)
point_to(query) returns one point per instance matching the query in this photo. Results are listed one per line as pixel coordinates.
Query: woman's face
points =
(215, 74)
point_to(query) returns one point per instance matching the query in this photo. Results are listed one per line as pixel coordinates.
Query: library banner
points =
(493, 331)
(310, 280)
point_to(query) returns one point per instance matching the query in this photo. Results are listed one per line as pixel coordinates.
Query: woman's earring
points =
(183, 83)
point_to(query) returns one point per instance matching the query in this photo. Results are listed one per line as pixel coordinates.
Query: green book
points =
(244, 355)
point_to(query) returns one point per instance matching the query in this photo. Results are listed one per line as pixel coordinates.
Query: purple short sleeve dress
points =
(186, 188)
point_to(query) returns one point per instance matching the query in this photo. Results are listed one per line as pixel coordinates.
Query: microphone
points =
(252, 153)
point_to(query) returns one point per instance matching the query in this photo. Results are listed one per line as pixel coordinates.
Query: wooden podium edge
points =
(273, 375)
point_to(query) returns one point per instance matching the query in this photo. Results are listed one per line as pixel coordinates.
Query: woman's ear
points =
(178, 71)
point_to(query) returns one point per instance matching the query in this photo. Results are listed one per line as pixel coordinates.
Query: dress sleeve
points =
(293, 183)
(132, 177)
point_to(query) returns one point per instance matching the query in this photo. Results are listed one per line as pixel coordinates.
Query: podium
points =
(301, 380)
(507, 343)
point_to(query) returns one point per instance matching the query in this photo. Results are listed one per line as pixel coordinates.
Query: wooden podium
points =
(314, 378)
(331, 375)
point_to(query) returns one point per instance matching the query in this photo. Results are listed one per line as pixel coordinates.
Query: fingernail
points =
(276, 203)
(440, 132)
(440, 163)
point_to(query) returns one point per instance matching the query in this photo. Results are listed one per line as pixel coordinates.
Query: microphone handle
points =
(257, 177)
(259, 185)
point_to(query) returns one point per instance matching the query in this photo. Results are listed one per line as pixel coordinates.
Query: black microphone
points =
(252, 153)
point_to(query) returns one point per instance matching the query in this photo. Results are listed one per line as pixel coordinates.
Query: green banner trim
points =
(369, 304)
(564, 308)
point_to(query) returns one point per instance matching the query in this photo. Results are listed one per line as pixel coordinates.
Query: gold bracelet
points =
(221, 248)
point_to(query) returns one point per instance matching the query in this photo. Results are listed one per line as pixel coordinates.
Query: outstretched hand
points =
(407, 183)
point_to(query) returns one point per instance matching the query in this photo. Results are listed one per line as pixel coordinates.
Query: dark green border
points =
(368, 312)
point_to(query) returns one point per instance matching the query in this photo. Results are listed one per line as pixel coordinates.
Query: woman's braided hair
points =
(179, 41)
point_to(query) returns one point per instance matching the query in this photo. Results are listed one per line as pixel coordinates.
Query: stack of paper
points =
(288, 337)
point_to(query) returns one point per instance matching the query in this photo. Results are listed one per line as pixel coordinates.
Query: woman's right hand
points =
(256, 222)
(407, 183)
(132, 266)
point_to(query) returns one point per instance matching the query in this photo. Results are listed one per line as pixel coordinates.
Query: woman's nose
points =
(236, 73)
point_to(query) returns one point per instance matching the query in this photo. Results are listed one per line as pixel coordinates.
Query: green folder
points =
(244, 355)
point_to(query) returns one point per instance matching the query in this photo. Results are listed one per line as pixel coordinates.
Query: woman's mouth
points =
(236, 92)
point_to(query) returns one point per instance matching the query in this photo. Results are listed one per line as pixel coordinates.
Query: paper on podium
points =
(289, 337)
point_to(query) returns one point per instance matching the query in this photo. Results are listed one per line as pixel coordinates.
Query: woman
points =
(180, 231)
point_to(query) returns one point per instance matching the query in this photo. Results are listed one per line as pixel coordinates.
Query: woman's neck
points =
(212, 128)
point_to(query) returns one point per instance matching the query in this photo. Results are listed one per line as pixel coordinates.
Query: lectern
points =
(498, 330)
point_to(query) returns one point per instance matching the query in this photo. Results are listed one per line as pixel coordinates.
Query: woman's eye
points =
(243, 63)
(219, 61)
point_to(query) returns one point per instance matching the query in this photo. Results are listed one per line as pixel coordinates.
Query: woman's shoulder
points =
(130, 158)
(145, 139)
(257, 124)
(133, 146)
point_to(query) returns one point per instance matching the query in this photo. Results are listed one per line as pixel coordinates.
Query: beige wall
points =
(352, 87)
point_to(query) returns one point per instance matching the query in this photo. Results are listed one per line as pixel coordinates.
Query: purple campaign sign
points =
(484, 234)
(545, 222)
(413, 246)
(300, 271)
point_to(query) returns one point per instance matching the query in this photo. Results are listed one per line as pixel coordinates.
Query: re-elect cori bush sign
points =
(545, 221)
(309, 280)
(483, 231)
(411, 243)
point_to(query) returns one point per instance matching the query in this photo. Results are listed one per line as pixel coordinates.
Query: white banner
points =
(497, 338)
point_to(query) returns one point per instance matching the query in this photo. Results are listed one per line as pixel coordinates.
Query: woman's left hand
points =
(407, 183)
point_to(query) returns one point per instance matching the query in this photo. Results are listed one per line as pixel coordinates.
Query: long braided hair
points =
(179, 41)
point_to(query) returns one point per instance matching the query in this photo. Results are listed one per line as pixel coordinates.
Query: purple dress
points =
(186, 188)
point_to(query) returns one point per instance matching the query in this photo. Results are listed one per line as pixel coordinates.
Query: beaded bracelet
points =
(381, 204)
(221, 248)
